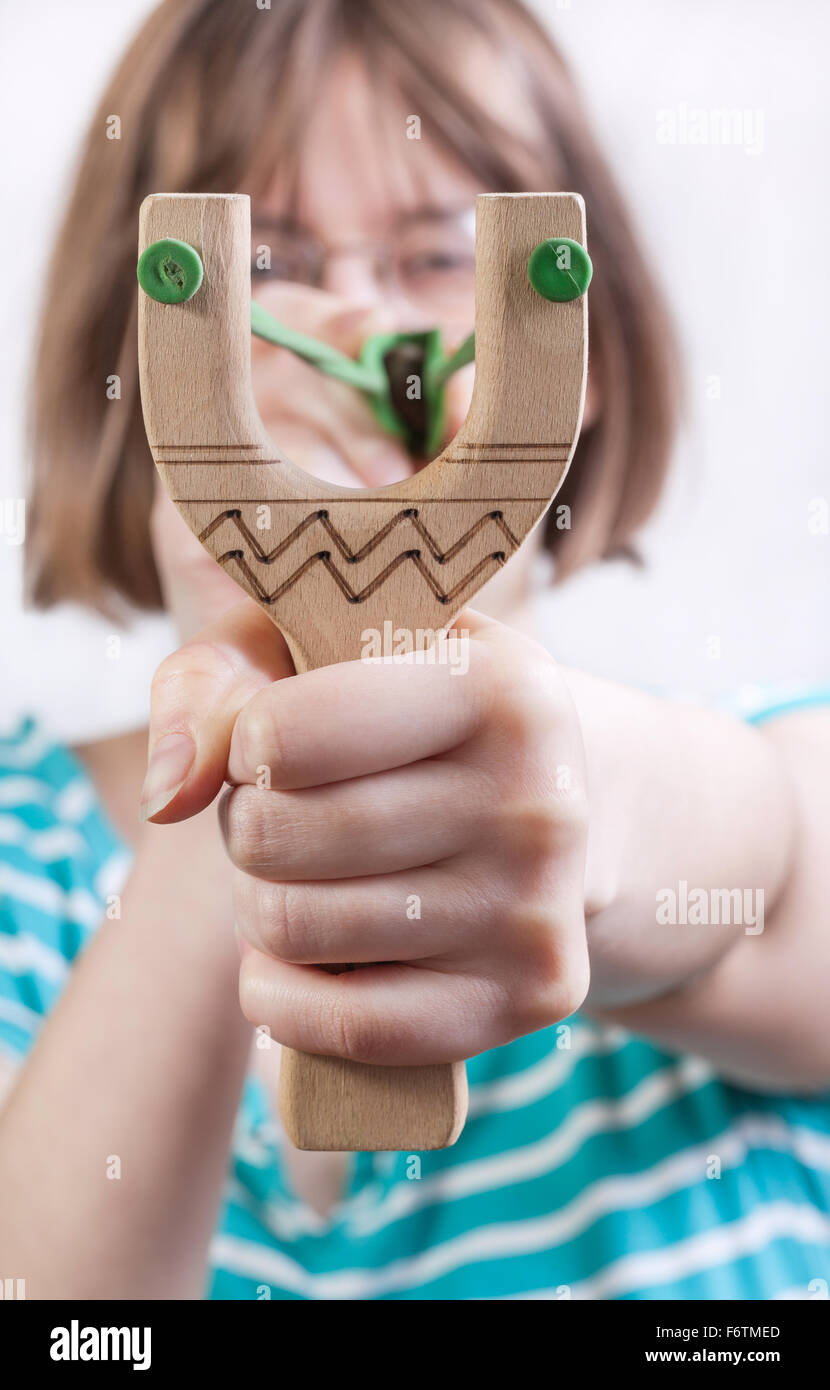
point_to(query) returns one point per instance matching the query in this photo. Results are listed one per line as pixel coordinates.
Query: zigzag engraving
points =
(354, 557)
(323, 557)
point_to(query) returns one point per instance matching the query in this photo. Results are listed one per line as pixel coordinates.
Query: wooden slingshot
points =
(337, 561)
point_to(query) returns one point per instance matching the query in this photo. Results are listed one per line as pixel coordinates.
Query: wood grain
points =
(331, 563)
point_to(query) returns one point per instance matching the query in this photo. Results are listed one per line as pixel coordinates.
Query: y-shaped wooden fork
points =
(329, 563)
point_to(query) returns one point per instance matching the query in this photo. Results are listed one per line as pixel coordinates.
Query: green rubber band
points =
(170, 271)
(322, 355)
(444, 368)
(560, 269)
(370, 374)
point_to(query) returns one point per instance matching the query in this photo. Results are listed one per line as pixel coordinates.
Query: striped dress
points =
(593, 1165)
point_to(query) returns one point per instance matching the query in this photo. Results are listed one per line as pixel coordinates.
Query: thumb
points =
(196, 694)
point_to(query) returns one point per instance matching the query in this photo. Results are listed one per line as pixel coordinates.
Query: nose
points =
(353, 275)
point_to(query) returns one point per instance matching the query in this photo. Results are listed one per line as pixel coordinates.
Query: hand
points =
(388, 813)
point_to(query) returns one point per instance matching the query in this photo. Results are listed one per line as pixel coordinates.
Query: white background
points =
(740, 243)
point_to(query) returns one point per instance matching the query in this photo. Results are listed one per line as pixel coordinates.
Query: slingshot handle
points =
(330, 1104)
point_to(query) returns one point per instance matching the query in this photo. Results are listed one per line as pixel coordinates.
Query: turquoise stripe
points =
(755, 706)
(705, 1205)
(689, 1116)
(781, 1265)
(815, 699)
(16, 1038)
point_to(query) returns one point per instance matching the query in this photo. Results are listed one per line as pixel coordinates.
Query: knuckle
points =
(248, 835)
(553, 998)
(261, 736)
(275, 917)
(572, 990)
(531, 828)
(290, 925)
(542, 826)
(517, 715)
(555, 972)
(195, 661)
(357, 1034)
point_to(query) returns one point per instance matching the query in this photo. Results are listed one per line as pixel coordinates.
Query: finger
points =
(392, 1015)
(195, 698)
(366, 716)
(405, 917)
(371, 825)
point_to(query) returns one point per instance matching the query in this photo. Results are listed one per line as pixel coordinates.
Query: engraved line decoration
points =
(321, 516)
(323, 557)
(354, 557)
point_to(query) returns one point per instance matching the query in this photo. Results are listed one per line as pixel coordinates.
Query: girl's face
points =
(377, 234)
(380, 219)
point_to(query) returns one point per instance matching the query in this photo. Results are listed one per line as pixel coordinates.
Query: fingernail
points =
(170, 762)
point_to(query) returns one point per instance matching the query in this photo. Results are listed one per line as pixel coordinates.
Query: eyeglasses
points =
(428, 259)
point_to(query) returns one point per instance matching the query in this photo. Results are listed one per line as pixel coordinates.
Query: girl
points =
(670, 1139)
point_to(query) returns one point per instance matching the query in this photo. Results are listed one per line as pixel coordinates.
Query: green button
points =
(170, 271)
(560, 269)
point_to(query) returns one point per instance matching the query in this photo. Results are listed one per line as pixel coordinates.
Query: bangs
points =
(407, 73)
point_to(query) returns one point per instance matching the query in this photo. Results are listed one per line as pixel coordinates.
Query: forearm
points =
(760, 1012)
(114, 1141)
(695, 818)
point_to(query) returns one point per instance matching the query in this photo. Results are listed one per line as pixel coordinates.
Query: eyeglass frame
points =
(375, 246)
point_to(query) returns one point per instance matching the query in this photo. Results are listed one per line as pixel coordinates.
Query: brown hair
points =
(212, 96)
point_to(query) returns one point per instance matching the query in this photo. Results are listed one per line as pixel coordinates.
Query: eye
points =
(278, 258)
(438, 261)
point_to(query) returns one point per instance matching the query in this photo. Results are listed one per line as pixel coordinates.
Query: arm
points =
(143, 1058)
(684, 794)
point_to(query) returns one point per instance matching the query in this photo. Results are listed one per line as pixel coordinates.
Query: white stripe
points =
(12, 1011)
(510, 1092)
(26, 751)
(12, 1057)
(721, 1245)
(23, 953)
(812, 1147)
(74, 905)
(112, 875)
(566, 1291)
(58, 842)
(264, 1265)
(286, 1222)
(584, 1122)
(612, 1194)
(76, 800)
(24, 791)
(254, 1145)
